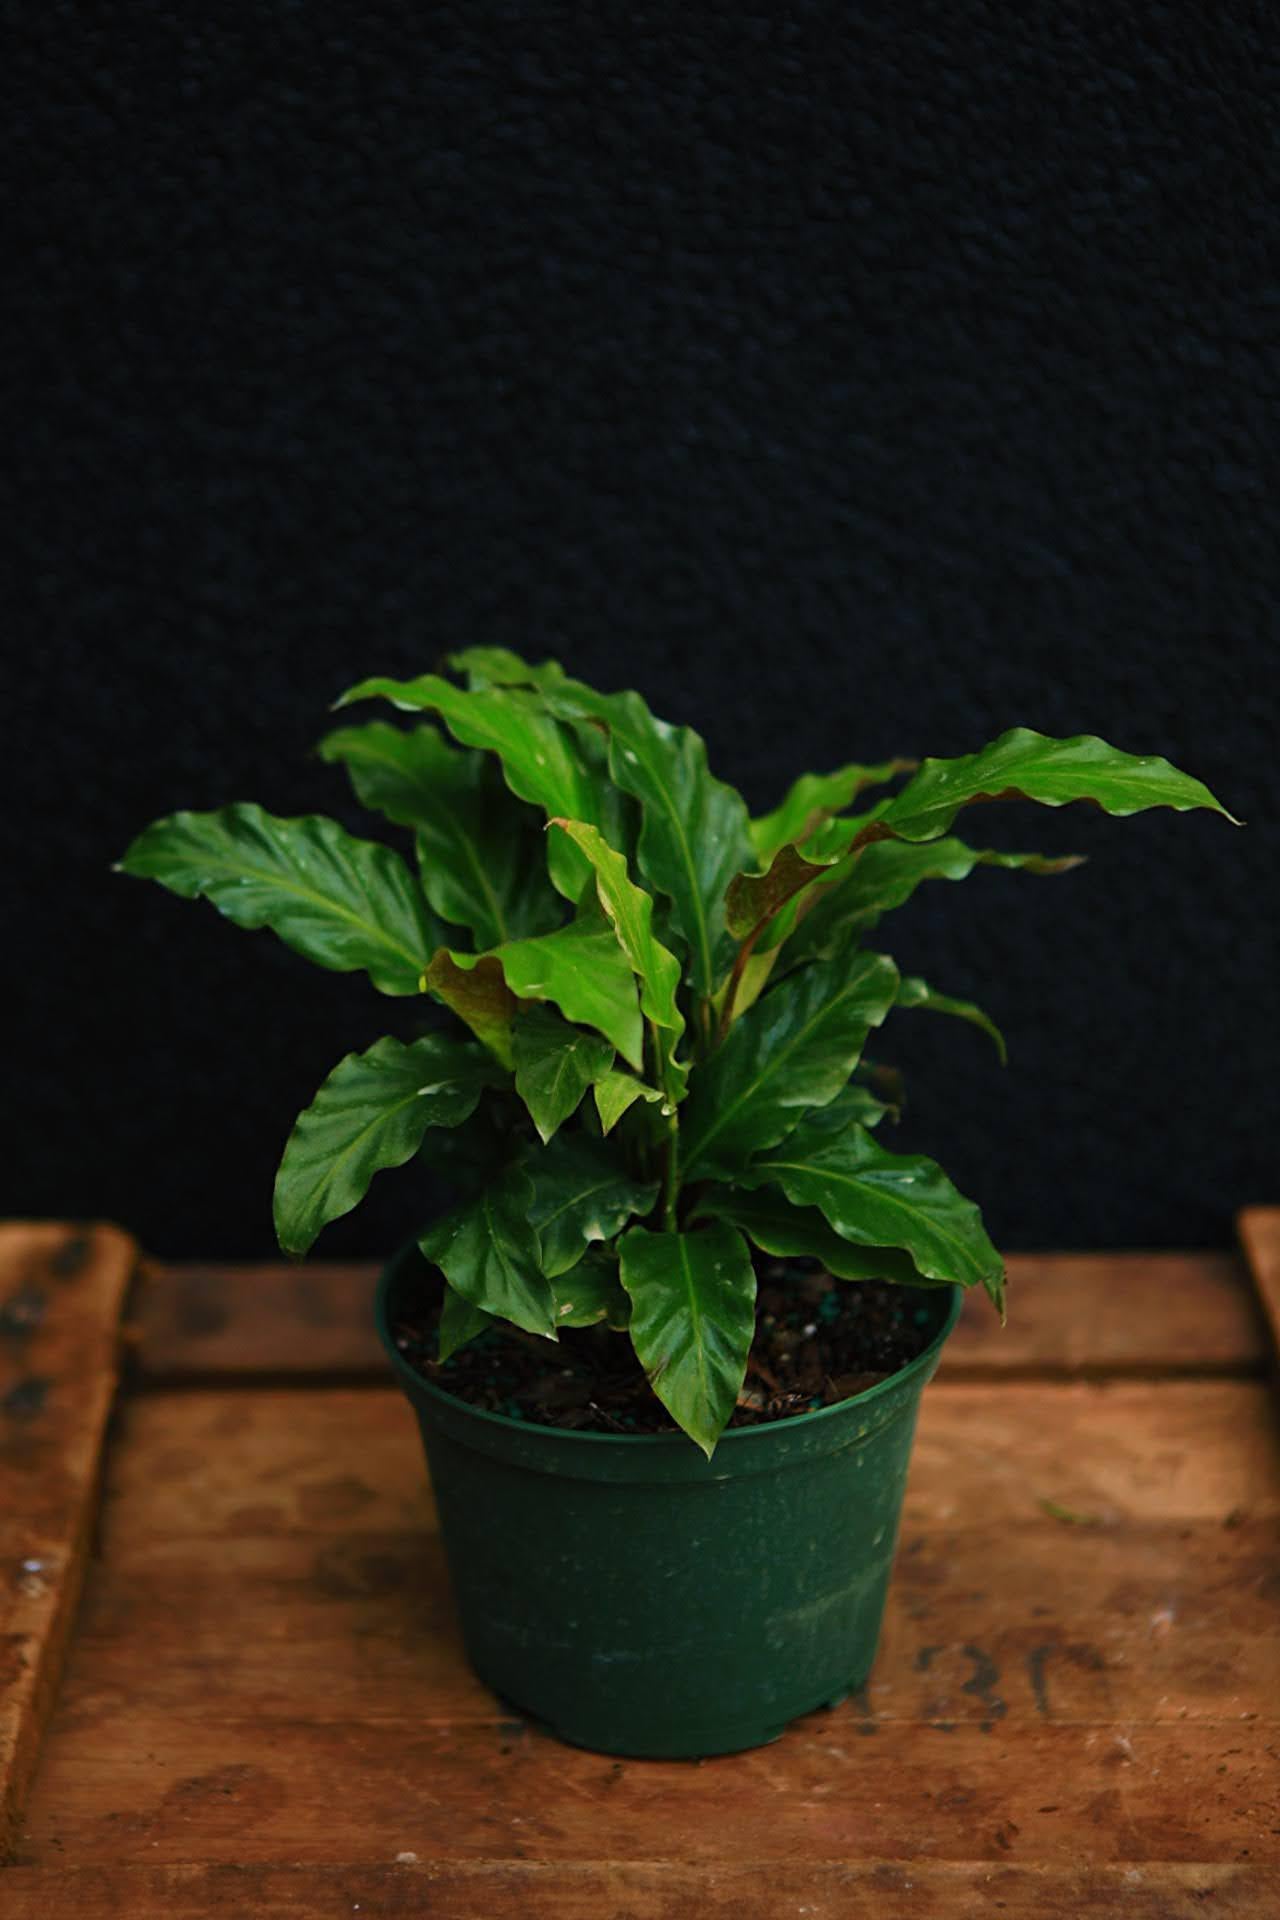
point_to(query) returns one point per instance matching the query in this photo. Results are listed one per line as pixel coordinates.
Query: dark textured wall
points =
(854, 380)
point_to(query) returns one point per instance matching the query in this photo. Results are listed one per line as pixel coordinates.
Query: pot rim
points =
(409, 1377)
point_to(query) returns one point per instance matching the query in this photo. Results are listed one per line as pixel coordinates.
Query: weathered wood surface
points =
(1260, 1237)
(1075, 1711)
(62, 1291)
(268, 1668)
(646, 1890)
(1096, 1314)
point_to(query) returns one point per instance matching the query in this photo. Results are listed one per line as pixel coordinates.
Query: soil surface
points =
(817, 1341)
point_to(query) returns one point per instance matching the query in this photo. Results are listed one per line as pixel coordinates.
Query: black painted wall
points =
(854, 380)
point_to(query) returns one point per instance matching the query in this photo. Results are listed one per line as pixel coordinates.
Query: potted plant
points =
(668, 1440)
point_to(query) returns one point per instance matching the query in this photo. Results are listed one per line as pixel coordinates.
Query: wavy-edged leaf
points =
(880, 1199)
(856, 1102)
(801, 1233)
(344, 903)
(538, 755)
(630, 911)
(555, 1064)
(592, 1292)
(582, 1192)
(616, 1093)
(794, 1049)
(583, 970)
(814, 797)
(474, 987)
(883, 875)
(460, 1323)
(499, 667)
(488, 1251)
(753, 899)
(1026, 765)
(371, 1113)
(477, 850)
(693, 835)
(693, 1317)
(915, 992)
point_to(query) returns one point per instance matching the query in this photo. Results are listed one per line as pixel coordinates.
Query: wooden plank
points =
(1071, 1314)
(62, 1292)
(1259, 1229)
(647, 1890)
(260, 1790)
(270, 1670)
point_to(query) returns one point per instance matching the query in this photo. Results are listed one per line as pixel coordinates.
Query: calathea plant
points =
(651, 1056)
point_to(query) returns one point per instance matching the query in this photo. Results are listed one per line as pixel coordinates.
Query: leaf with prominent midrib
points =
(693, 1317)
(801, 1233)
(693, 838)
(914, 992)
(1023, 764)
(538, 755)
(478, 849)
(488, 1252)
(344, 903)
(630, 911)
(794, 1049)
(555, 1064)
(371, 1113)
(582, 969)
(815, 796)
(884, 875)
(881, 1199)
(582, 1192)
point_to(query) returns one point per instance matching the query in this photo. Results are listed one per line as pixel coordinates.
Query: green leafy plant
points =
(652, 1056)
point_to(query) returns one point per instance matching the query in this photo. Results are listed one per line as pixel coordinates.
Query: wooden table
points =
(263, 1708)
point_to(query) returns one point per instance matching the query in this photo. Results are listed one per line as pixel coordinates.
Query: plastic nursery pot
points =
(639, 1599)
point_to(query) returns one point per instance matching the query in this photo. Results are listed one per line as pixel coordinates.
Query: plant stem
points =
(744, 953)
(671, 1181)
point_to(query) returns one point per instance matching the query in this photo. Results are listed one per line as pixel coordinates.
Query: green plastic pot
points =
(637, 1598)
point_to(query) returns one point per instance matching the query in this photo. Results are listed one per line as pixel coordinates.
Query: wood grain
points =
(1259, 1229)
(62, 1292)
(269, 1668)
(1096, 1314)
(646, 1890)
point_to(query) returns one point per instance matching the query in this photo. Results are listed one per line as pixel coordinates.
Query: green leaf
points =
(881, 1199)
(693, 837)
(344, 903)
(1026, 765)
(693, 1317)
(794, 1049)
(582, 1193)
(499, 667)
(481, 865)
(790, 1233)
(616, 1093)
(488, 1251)
(857, 1102)
(883, 875)
(460, 1323)
(592, 1292)
(630, 911)
(754, 898)
(472, 985)
(914, 992)
(555, 1064)
(815, 796)
(538, 755)
(583, 970)
(371, 1113)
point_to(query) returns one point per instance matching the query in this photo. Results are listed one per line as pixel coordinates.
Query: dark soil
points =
(817, 1341)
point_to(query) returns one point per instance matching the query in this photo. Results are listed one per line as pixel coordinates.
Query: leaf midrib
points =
(725, 1114)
